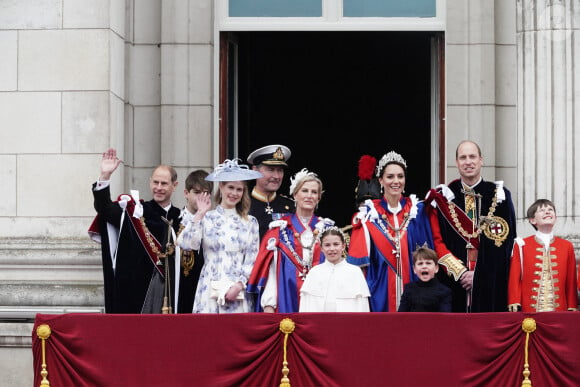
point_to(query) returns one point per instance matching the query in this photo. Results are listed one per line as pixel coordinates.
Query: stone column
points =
(142, 129)
(187, 62)
(481, 85)
(548, 88)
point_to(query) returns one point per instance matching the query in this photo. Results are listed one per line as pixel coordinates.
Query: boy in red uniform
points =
(543, 267)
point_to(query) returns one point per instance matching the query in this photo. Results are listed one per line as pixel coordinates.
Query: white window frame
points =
(331, 20)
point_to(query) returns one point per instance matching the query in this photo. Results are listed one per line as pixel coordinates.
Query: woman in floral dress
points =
(230, 240)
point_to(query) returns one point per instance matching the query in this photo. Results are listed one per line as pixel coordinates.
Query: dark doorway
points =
(332, 97)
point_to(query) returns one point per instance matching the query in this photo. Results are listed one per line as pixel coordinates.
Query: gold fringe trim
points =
(528, 326)
(43, 332)
(286, 326)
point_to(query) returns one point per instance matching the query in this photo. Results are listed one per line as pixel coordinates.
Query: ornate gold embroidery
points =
(546, 292)
(470, 204)
(454, 266)
(187, 261)
(187, 256)
(483, 224)
(493, 227)
(497, 230)
(170, 249)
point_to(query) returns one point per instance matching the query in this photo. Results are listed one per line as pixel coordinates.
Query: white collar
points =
(464, 184)
(544, 238)
(395, 210)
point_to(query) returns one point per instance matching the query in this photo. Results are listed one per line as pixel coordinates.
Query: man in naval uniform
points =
(475, 220)
(267, 204)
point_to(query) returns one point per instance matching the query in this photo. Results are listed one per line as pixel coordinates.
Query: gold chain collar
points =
(481, 228)
(150, 240)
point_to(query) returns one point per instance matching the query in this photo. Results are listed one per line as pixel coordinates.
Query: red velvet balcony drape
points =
(325, 349)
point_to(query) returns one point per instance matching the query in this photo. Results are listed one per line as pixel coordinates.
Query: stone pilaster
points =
(548, 91)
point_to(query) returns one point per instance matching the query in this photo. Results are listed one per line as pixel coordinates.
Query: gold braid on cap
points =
(278, 155)
(391, 157)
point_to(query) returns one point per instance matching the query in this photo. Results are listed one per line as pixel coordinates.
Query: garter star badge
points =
(497, 229)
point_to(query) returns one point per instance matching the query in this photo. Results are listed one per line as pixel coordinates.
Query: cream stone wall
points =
(9, 63)
(61, 103)
(548, 103)
(481, 74)
(81, 76)
(78, 76)
(187, 96)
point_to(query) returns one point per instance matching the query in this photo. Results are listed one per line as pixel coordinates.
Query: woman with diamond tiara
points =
(385, 232)
(289, 249)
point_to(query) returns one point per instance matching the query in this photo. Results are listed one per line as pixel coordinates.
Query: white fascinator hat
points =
(230, 170)
(299, 177)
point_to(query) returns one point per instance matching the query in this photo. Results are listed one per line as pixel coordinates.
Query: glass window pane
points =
(275, 8)
(389, 8)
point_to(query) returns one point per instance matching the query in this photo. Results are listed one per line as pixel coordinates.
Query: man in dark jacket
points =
(137, 242)
(478, 226)
(267, 202)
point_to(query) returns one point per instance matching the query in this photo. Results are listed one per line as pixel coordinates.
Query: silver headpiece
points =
(298, 177)
(334, 228)
(230, 170)
(390, 157)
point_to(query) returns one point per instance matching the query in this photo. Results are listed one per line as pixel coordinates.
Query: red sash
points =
(384, 245)
(148, 240)
(443, 206)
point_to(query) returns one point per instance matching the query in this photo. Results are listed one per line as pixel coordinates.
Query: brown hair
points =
(312, 177)
(424, 253)
(333, 231)
(537, 205)
(197, 179)
(168, 168)
(465, 142)
(243, 206)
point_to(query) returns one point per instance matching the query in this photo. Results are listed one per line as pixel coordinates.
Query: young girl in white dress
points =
(335, 285)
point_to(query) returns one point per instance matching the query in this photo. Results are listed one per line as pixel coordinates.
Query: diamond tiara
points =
(391, 157)
(333, 228)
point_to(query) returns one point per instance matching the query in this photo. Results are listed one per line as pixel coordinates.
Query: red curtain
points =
(325, 349)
